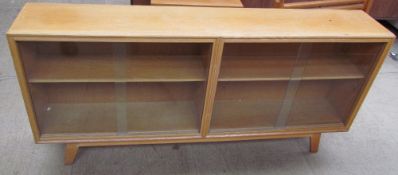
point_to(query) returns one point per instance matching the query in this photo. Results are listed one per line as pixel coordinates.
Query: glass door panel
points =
(72, 108)
(252, 105)
(115, 62)
(331, 79)
(257, 61)
(281, 85)
(252, 85)
(323, 102)
(164, 107)
(81, 88)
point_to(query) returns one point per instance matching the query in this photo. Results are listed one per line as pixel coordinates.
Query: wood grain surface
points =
(179, 22)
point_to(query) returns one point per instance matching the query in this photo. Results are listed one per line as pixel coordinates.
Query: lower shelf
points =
(116, 119)
(79, 118)
(313, 112)
(263, 115)
(179, 116)
(238, 114)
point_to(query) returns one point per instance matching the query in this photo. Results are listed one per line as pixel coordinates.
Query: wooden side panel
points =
(371, 77)
(19, 68)
(342, 96)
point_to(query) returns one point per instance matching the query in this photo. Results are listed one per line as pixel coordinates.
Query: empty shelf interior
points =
(259, 105)
(78, 118)
(247, 105)
(322, 102)
(257, 61)
(116, 62)
(181, 116)
(313, 112)
(268, 62)
(157, 88)
(244, 115)
(118, 108)
(331, 67)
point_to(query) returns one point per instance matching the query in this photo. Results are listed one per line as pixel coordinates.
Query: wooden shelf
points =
(244, 106)
(313, 112)
(103, 68)
(109, 109)
(261, 115)
(102, 118)
(165, 116)
(79, 118)
(257, 68)
(331, 67)
(244, 114)
(247, 105)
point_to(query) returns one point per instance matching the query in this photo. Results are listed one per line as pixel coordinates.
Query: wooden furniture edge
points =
(32, 37)
(71, 149)
(23, 37)
(22, 27)
(308, 40)
(18, 37)
(213, 137)
(21, 76)
(214, 71)
(372, 76)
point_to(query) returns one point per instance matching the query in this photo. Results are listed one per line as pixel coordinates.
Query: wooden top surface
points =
(210, 3)
(50, 19)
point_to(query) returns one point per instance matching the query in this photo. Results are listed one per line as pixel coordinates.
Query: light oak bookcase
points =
(102, 75)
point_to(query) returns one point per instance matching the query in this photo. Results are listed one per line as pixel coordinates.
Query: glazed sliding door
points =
(278, 86)
(117, 89)
(331, 77)
(252, 84)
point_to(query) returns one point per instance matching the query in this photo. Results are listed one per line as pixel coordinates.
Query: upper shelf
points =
(80, 20)
(258, 68)
(47, 62)
(102, 68)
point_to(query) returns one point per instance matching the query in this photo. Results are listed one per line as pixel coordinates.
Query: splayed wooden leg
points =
(71, 150)
(314, 142)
